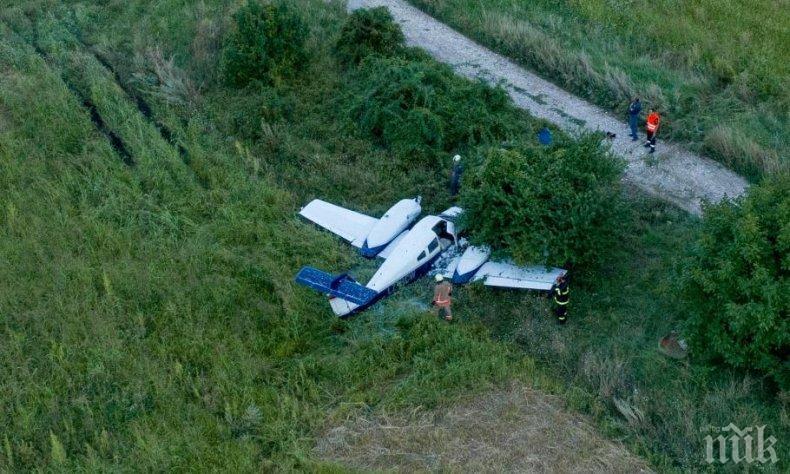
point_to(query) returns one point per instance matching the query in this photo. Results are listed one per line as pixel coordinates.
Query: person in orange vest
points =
(442, 298)
(653, 120)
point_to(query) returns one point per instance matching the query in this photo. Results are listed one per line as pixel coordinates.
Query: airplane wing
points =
(350, 225)
(536, 277)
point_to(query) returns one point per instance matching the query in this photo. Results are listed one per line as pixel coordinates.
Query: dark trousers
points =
(651, 140)
(632, 119)
(455, 184)
(561, 312)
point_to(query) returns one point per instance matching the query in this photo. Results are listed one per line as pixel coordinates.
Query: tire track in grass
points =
(144, 108)
(141, 104)
(127, 93)
(115, 141)
(137, 99)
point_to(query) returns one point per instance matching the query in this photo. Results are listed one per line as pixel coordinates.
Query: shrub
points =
(418, 108)
(250, 114)
(555, 205)
(267, 44)
(366, 32)
(735, 281)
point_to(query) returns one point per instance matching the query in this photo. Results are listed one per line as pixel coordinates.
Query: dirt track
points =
(517, 429)
(674, 174)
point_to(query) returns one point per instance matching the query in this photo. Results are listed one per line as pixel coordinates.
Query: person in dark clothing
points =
(561, 295)
(455, 176)
(633, 117)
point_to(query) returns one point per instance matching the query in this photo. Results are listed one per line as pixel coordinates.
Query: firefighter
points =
(633, 115)
(442, 298)
(653, 120)
(561, 295)
(455, 175)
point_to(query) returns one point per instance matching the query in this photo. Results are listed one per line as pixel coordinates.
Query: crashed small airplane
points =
(408, 253)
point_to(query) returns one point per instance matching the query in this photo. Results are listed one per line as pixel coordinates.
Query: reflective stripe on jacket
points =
(561, 294)
(441, 295)
(652, 122)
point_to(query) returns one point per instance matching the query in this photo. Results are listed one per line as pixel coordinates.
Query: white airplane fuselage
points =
(411, 258)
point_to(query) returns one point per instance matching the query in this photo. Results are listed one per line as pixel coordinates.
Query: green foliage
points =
(717, 69)
(418, 108)
(555, 205)
(249, 115)
(161, 322)
(148, 314)
(445, 359)
(736, 282)
(366, 32)
(266, 44)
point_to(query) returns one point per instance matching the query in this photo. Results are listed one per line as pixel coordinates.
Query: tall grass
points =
(147, 314)
(607, 354)
(717, 69)
(148, 319)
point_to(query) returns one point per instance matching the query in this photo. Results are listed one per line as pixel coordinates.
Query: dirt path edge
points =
(674, 174)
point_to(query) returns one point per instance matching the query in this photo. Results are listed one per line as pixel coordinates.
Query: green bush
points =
(267, 44)
(735, 282)
(419, 108)
(721, 84)
(366, 32)
(556, 205)
(249, 114)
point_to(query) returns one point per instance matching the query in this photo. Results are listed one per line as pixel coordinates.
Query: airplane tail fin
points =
(342, 287)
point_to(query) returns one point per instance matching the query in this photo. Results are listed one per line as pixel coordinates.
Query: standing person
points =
(442, 297)
(653, 119)
(633, 116)
(455, 176)
(561, 295)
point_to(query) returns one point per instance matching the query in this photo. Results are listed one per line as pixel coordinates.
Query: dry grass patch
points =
(516, 429)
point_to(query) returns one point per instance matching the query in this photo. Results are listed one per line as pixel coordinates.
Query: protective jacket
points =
(635, 108)
(442, 294)
(561, 293)
(652, 122)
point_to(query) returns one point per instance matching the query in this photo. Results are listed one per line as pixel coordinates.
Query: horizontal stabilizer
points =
(340, 286)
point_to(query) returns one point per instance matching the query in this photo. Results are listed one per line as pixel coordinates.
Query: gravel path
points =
(673, 173)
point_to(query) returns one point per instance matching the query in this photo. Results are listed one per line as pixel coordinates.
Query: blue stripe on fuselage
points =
(416, 274)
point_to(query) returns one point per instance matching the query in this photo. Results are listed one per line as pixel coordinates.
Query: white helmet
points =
(456, 158)
(439, 277)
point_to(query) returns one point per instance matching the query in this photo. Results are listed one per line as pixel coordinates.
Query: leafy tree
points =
(266, 44)
(556, 205)
(735, 281)
(366, 32)
(418, 108)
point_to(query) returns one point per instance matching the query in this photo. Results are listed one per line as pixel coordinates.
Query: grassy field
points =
(148, 316)
(718, 69)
